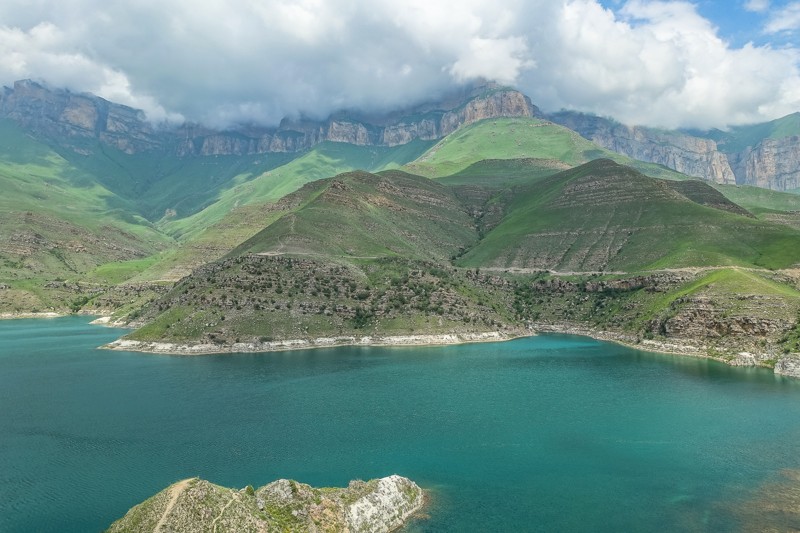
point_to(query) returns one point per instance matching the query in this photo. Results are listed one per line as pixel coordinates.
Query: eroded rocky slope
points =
(195, 505)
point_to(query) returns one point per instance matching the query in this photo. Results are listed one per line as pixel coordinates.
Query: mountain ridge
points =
(74, 118)
(764, 155)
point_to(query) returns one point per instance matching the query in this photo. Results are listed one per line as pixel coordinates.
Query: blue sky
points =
(666, 63)
(742, 21)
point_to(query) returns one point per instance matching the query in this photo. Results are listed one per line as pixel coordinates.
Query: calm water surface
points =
(552, 433)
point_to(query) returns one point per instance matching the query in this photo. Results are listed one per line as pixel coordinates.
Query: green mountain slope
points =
(766, 204)
(248, 206)
(234, 217)
(518, 138)
(739, 138)
(54, 224)
(364, 215)
(502, 173)
(163, 185)
(364, 257)
(603, 216)
(324, 160)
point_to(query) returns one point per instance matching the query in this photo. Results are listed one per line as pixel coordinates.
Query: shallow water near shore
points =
(549, 433)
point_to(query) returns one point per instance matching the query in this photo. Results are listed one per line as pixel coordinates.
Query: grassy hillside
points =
(56, 225)
(322, 161)
(603, 216)
(503, 173)
(759, 201)
(363, 255)
(364, 215)
(739, 138)
(518, 138)
(163, 185)
(773, 206)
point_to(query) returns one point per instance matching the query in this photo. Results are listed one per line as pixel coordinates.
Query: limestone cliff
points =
(195, 505)
(770, 163)
(693, 156)
(73, 118)
(75, 121)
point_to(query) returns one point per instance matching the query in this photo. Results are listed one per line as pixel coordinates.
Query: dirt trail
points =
(216, 519)
(174, 493)
(690, 270)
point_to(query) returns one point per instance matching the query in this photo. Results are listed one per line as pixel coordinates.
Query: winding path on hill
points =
(216, 518)
(174, 493)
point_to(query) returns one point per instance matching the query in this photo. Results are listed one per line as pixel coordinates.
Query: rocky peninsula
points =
(195, 505)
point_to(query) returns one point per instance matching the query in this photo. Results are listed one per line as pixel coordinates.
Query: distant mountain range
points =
(472, 218)
(71, 119)
(763, 155)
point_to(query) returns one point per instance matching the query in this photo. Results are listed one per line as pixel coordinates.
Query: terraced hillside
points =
(603, 216)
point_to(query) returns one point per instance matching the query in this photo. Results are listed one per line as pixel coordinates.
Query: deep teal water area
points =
(551, 433)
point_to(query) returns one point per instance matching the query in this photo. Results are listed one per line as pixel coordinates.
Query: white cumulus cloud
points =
(756, 6)
(785, 19)
(650, 62)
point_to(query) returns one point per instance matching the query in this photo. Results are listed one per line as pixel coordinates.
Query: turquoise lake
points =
(549, 433)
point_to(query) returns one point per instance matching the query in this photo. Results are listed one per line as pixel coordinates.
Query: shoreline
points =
(785, 365)
(443, 339)
(17, 316)
(102, 315)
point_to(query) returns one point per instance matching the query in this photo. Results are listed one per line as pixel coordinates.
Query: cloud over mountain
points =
(652, 62)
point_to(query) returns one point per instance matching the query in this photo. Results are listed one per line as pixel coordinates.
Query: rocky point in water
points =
(195, 505)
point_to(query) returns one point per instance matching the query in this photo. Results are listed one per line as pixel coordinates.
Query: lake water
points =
(551, 433)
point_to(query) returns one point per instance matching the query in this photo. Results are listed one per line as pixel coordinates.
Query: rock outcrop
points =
(788, 365)
(693, 156)
(75, 121)
(74, 118)
(195, 505)
(770, 163)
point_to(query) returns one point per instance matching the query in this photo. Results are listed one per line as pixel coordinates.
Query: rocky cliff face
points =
(693, 156)
(194, 505)
(770, 163)
(75, 120)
